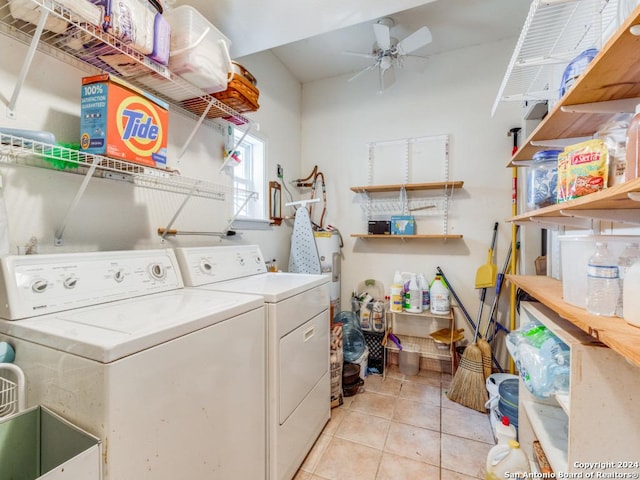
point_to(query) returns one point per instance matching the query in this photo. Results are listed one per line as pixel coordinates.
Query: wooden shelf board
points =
(612, 198)
(367, 236)
(614, 332)
(408, 187)
(613, 74)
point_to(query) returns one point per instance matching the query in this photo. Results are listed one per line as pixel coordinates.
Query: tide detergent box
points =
(123, 122)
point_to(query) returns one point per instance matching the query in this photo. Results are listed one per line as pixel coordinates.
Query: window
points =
(249, 175)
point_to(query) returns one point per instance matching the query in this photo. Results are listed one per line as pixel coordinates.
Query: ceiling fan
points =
(390, 53)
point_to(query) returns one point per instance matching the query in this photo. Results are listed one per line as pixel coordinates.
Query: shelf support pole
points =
(195, 129)
(26, 65)
(83, 186)
(180, 208)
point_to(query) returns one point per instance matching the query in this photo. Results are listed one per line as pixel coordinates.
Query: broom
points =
(468, 387)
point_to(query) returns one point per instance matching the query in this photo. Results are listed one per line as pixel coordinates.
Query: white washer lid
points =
(111, 331)
(273, 286)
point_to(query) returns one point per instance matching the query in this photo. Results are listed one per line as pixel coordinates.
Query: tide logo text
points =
(139, 125)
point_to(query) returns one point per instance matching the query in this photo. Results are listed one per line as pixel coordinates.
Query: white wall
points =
(453, 96)
(115, 215)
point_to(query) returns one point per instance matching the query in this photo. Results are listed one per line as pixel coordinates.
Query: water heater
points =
(328, 244)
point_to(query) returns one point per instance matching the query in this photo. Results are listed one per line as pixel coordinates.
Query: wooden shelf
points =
(612, 331)
(407, 187)
(612, 75)
(403, 237)
(608, 201)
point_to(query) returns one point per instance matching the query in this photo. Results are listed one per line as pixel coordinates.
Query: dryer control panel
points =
(204, 265)
(38, 284)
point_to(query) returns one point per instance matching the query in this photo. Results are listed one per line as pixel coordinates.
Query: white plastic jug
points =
(506, 458)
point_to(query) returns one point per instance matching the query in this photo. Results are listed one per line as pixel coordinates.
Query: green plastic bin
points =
(38, 444)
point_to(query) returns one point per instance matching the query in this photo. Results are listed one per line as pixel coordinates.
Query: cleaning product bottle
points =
(505, 431)
(439, 297)
(424, 286)
(506, 460)
(396, 293)
(415, 295)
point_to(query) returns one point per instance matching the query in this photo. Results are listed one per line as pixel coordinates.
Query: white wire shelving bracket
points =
(21, 151)
(554, 32)
(404, 204)
(86, 46)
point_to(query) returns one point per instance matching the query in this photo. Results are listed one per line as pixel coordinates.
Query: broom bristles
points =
(485, 349)
(468, 387)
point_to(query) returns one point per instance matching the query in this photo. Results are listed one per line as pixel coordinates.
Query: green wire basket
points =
(63, 156)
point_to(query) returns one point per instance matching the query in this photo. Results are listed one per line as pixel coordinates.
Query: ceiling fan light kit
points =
(388, 53)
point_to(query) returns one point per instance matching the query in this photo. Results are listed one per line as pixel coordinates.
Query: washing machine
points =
(297, 306)
(172, 381)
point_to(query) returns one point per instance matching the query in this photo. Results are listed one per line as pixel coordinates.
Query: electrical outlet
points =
(280, 171)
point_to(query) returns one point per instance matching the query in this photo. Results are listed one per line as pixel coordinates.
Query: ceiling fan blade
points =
(413, 62)
(386, 78)
(383, 36)
(417, 39)
(358, 54)
(370, 67)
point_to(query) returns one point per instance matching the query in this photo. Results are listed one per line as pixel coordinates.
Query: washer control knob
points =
(70, 282)
(206, 266)
(157, 271)
(118, 276)
(241, 261)
(40, 285)
(258, 260)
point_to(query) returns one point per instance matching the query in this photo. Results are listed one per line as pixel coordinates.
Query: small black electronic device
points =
(379, 227)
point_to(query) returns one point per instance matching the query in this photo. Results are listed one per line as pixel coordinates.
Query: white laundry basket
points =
(12, 397)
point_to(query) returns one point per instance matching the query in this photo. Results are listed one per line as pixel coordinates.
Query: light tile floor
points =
(401, 428)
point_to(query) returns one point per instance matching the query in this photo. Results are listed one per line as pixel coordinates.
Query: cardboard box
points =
(123, 122)
(403, 225)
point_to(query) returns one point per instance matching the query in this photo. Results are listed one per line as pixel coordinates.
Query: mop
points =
(303, 257)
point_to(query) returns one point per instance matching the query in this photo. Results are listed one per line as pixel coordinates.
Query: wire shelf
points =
(554, 33)
(82, 44)
(21, 151)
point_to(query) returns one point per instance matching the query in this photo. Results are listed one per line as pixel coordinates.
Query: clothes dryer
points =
(297, 306)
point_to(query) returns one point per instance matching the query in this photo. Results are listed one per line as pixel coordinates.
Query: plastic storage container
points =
(633, 147)
(603, 282)
(542, 179)
(614, 135)
(199, 51)
(409, 359)
(575, 69)
(575, 251)
(631, 295)
(38, 444)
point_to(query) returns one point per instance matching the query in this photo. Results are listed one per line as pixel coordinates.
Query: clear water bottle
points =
(603, 288)
(629, 256)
